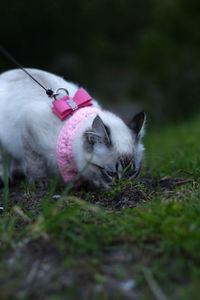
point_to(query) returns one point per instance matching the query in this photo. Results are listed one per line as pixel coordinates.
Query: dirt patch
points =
(127, 195)
(132, 194)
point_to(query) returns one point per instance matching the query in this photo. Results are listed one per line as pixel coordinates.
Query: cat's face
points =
(113, 150)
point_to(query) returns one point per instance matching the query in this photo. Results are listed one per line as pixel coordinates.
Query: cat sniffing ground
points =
(90, 141)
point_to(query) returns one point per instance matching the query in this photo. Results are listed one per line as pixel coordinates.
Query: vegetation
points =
(55, 246)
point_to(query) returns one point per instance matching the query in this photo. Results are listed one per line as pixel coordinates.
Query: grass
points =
(155, 244)
(174, 148)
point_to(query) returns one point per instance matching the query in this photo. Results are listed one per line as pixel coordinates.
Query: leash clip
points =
(51, 93)
(60, 89)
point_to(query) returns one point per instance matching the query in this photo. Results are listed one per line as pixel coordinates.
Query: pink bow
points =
(66, 105)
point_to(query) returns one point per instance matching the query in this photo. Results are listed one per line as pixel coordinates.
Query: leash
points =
(64, 106)
(50, 93)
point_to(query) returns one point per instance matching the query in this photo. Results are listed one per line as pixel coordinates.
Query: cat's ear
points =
(137, 123)
(98, 133)
(100, 129)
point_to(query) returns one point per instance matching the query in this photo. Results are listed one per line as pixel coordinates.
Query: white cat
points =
(102, 148)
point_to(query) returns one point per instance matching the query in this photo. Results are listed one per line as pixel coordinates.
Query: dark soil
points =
(132, 194)
(124, 196)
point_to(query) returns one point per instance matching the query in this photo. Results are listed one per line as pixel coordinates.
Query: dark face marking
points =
(106, 176)
(128, 165)
(124, 168)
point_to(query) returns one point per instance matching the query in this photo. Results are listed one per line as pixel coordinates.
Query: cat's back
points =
(18, 83)
(21, 95)
(23, 101)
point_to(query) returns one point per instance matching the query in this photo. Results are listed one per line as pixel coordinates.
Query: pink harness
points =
(65, 142)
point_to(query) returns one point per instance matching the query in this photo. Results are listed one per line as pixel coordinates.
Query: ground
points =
(139, 241)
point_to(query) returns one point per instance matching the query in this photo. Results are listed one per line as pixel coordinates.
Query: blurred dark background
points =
(124, 52)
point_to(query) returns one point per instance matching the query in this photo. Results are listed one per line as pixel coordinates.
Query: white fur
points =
(29, 128)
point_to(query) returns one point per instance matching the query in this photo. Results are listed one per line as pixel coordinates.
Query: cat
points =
(103, 149)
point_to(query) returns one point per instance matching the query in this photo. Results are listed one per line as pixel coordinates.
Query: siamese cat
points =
(102, 148)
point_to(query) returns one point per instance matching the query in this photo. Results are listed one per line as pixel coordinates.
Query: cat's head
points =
(112, 149)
